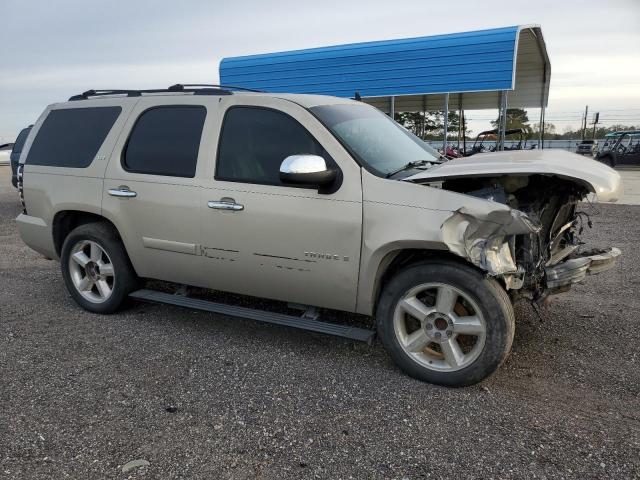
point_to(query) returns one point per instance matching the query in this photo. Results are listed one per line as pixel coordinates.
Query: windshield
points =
(374, 138)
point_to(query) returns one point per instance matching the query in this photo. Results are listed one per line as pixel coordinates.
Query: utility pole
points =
(596, 117)
(584, 126)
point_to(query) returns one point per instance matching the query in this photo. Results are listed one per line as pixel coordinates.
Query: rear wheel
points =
(96, 268)
(445, 323)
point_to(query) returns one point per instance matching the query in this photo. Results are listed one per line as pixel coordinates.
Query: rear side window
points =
(165, 141)
(71, 137)
(255, 141)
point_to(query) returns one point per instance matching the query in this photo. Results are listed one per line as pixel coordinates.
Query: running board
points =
(353, 333)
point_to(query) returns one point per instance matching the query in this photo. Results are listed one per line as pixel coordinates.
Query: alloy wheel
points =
(439, 326)
(91, 271)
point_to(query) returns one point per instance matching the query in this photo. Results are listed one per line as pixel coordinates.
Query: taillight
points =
(19, 174)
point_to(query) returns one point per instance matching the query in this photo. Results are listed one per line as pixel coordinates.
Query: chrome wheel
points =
(91, 271)
(439, 327)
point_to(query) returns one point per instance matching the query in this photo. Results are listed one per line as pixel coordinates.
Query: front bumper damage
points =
(486, 238)
(576, 269)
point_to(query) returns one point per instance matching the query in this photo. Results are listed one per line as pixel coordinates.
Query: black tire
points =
(488, 295)
(125, 278)
(608, 160)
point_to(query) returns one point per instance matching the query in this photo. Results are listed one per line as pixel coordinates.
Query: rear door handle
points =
(225, 204)
(122, 191)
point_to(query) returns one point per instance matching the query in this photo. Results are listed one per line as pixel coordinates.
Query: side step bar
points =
(353, 333)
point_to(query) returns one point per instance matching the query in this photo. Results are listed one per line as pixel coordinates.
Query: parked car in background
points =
(15, 154)
(5, 152)
(311, 200)
(586, 147)
(620, 148)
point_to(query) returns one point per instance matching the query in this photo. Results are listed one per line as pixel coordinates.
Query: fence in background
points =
(569, 145)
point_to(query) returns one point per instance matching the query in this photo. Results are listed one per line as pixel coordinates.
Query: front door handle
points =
(225, 204)
(122, 191)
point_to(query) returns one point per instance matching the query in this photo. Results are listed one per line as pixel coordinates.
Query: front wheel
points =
(445, 323)
(96, 268)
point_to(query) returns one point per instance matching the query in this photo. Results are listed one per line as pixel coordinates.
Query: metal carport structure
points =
(483, 69)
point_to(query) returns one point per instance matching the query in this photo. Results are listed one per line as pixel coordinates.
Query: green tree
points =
(549, 130)
(412, 121)
(516, 118)
(430, 125)
(570, 134)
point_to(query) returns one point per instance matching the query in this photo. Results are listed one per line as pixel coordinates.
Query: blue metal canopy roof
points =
(479, 61)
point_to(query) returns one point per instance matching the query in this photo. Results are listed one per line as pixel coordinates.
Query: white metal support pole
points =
(424, 116)
(542, 112)
(464, 128)
(540, 135)
(393, 108)
(446, 123)
(503, 118)
(459, 119)
(500, 115)
(542, 101)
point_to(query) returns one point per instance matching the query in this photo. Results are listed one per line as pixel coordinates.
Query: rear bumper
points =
(36, 234)
(576, 269)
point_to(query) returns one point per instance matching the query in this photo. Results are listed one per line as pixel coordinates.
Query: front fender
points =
(400, 215)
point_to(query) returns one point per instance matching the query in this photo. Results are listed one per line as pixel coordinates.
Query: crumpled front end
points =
(487, 239)
(564, 274)
(534, 244)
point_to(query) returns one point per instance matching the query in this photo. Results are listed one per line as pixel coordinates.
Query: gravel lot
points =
(81, 394)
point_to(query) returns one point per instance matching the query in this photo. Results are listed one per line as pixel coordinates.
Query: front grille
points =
(19, 174)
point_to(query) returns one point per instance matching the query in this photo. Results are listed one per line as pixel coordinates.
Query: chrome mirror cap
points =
(307, 170)
(303, 164)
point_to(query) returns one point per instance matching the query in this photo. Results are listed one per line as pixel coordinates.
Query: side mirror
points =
(306, 170)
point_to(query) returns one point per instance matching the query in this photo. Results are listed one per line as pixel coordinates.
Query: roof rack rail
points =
(96, 93)
(180, 87)
(196, 89)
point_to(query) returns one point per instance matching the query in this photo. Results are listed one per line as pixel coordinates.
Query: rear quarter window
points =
(71, 137)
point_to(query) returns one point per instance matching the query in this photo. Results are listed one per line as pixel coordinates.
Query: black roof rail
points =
(179, 87)
(96, 93)
(203, 90)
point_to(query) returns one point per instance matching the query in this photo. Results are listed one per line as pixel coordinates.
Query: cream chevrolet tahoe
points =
(313, 200)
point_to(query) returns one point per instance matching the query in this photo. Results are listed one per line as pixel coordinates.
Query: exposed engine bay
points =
(534, 247)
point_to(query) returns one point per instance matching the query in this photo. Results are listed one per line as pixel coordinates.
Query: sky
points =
(54, 49)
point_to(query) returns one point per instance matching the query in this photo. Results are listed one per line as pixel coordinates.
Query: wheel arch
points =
(64, 221)
(395, 260)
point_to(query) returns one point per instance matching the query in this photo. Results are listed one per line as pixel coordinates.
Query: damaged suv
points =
(312, 200)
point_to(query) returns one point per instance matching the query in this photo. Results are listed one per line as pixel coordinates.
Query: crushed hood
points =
(598, 178)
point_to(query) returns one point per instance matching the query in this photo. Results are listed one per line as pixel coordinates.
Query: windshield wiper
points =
(415, 163)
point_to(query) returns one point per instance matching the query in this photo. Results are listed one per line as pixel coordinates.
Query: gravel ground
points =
(200, 395)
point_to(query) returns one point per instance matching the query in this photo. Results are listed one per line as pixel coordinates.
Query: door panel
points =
(283, 245)
(160, 225)
(286, 243)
